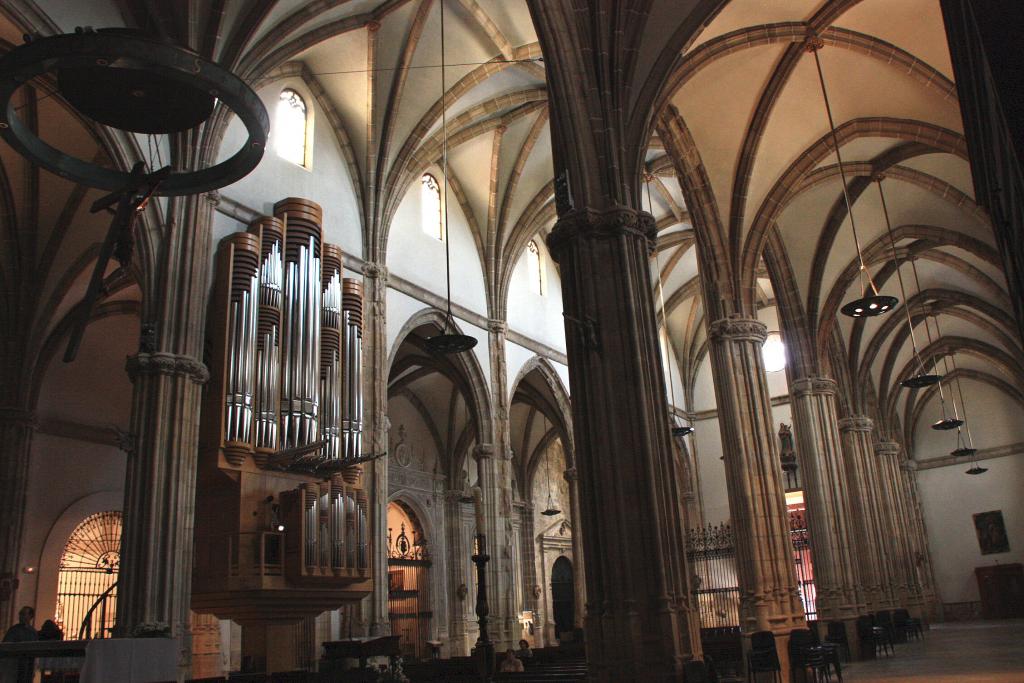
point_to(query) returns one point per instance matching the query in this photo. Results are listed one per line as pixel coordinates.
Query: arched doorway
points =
(87, 582)
(563, 599)
(408, 581)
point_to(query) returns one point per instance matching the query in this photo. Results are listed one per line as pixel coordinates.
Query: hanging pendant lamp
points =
(922, 378)
(550, 510)
(676, 431)
(871, 302)
(947, 423)
(450, 341)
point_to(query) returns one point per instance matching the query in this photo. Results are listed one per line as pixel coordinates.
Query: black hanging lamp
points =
(922, 378)
(450, 340)
(871, 303)
(676, 431)
(551, 510)
(947, 423)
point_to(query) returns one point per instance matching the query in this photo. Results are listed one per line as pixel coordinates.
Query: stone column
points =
(457, 554)
(859, 459)
(155, 580)
(819, 448)
(930, 609)
(504, 626)
(769, 598)
(17, 426)
(579, 576)
(899, 543)
(375, 417)
(639, 624)
(496, 525)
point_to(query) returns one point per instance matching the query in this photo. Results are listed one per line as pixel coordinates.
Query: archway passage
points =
(563, 597)
(87, 583)
(408, 581)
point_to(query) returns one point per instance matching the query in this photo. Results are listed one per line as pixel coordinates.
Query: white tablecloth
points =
(130, 660)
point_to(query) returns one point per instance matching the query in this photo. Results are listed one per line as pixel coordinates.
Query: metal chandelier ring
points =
(88, 49)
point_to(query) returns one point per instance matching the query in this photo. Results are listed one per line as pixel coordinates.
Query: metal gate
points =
(711, 553)
(409, 594)
(88, 572)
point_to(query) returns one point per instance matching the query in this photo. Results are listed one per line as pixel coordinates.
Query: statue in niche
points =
(785, 440)
(788, 456)
(402, 454)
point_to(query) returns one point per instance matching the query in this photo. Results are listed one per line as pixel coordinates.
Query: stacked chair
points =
(763, 657)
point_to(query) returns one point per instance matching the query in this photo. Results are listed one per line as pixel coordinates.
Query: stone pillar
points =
(375, 417)
(17, 426)
(456, 578)
(155, 580)
(769, 598)
(899, 544)
(819, 449)
(639, 624)
(496, 527)
(930, 609)
(859, 459)
(528, 538)
(503, 625)
(579, 576)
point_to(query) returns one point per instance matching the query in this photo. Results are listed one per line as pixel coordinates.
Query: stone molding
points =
(484, 450)
(19, 416)
(909, 465)
(814, 386)
(375, 271)
(856, 423)
(495, 326)
(887, 448)
(167, 364)
(571, 474)
(738, 329)
(586, 223)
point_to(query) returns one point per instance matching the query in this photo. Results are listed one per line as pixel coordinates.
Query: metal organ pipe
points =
(331, 367)
(352, 347)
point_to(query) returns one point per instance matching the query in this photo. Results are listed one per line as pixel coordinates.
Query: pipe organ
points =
(282, 516)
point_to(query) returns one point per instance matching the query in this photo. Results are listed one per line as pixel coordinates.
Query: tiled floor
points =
(976, 652)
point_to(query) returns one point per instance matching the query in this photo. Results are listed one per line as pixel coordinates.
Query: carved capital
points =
(484, 450)
(738, 329)
(375, 271)
(571, 474)
(810, 386)
(454, 496)
(909, 466)
(856, 423)
(495, 326)
(167, 364)
(887, 448)
(212, 198)
(589, 224)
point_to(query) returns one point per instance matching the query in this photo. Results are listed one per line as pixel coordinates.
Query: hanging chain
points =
(444, 174)
(938, 333)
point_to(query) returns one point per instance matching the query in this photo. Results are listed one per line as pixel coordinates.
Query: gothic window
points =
(290, 127)
(774, 353)
(534, 268)
(88, 575)
(430, 207)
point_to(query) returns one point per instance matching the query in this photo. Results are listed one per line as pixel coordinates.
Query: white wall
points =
(538, 316)
(949, 498)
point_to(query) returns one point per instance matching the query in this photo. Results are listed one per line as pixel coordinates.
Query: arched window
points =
(290, 121)
(88, 574)
(534, 268)
(430, 206)
(774, 353)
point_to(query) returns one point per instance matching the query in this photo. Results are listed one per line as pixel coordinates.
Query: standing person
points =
(23, 631)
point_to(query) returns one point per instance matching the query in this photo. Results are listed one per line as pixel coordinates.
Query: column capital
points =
(856, 423)
(454, 496)
(810, 386)
(738, 329)
(909, 465)
(375, 271)
(587, 223)
(168, 364)
(888, 448)
(571, 474)
(484, 450)
(496, 326)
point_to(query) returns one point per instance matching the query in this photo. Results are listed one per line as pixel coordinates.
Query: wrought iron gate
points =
(711, 552)
(88, 577)
(409, 594)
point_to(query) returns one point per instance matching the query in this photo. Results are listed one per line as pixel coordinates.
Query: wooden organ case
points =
(281, 530)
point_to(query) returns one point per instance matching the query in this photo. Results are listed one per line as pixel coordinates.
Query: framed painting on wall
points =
(991, 532)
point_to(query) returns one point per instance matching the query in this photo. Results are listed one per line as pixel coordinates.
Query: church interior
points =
(374, 340)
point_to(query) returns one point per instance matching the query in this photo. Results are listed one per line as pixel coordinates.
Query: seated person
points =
(23, 631)
(50, 631)
(511, 663)
(524, 651)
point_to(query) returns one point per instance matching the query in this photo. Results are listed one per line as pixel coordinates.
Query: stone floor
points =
(975, 652)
